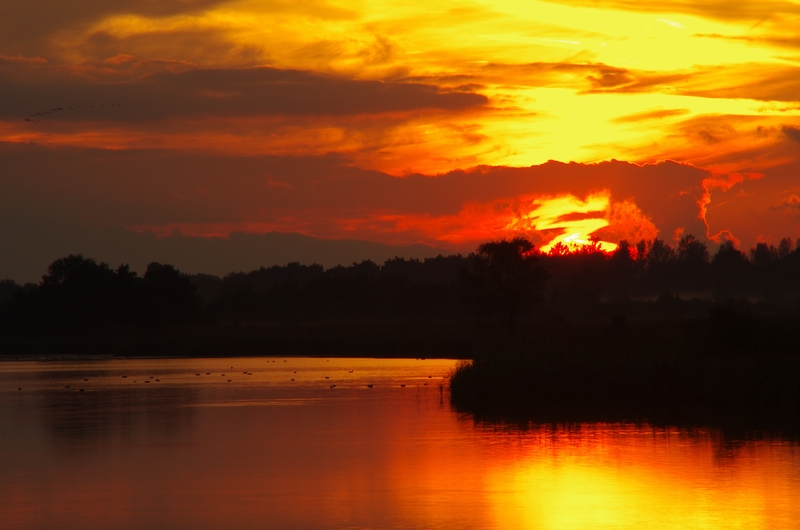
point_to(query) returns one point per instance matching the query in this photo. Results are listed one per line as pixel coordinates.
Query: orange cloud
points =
(790, 203)
(723, 183)
(120, 58)
(546, 220)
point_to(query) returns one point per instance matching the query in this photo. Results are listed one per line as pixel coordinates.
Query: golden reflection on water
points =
(614, 476)
(267, 452)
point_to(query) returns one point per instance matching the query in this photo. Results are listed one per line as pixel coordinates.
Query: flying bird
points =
(59, 109)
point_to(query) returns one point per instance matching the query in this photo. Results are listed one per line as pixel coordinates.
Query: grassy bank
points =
(741, 374)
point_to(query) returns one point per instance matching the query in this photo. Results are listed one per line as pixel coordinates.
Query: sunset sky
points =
(130, 130)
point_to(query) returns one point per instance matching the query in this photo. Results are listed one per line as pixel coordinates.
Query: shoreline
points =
(675, 371)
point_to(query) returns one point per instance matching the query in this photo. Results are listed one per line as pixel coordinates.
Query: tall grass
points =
(687, 373)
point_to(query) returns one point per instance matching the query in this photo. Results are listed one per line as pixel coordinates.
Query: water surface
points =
(327, 451)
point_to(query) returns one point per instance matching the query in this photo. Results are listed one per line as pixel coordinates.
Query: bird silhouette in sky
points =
(42, 113)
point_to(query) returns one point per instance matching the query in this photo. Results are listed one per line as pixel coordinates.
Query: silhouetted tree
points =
(208, 286)
(621, 271)
(7, 289)
(659, 264)
(78, 293)
(170, 297)
(692, 262)
(730, 269)
(506, 278)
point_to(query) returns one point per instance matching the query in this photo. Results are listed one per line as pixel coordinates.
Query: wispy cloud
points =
(792, 202)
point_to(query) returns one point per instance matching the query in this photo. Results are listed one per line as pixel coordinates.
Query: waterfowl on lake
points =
(369, 386)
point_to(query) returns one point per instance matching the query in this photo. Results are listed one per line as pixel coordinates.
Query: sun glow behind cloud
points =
(501, 83)
(577, 220)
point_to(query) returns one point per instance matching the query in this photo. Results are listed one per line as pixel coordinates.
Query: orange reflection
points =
(621, 476)
(260, 452)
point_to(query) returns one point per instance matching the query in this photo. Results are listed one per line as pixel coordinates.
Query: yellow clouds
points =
(566, 214)
(408, 88)
(571, 80)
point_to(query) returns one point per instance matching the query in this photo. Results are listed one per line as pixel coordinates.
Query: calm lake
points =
(306, 443)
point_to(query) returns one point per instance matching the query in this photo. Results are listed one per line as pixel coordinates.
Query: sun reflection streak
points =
(622, 476)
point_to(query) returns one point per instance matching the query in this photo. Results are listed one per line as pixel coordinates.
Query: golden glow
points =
(558, 213)
(702, 83)
(539, 112)
(598, 478)
(400, 458)
(546, 220)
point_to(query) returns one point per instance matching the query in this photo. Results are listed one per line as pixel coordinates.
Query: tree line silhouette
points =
(502, 279)
(79, 295)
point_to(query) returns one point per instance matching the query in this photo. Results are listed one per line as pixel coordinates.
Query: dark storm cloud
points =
(792, 133)
(26, 89)
(144, 187)
(29, 27)
(26, 26)
(292, 92)
(152, 188)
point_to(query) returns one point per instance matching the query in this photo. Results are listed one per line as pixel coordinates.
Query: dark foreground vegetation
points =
(731, 370)
(650, 331)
